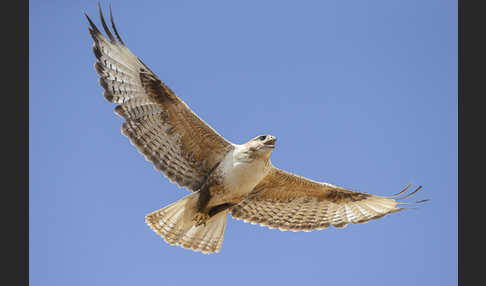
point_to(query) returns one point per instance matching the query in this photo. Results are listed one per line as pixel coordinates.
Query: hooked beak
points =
(270, 143)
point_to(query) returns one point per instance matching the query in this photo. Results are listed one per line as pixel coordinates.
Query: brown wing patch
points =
(339, 196)
(283, 185)
(156, 89)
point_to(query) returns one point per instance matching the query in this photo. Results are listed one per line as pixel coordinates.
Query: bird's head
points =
(262, 145)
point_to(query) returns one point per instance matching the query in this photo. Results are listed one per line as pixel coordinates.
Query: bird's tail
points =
(174, 223)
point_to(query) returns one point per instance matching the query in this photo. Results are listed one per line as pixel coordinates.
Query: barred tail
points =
(174, 224)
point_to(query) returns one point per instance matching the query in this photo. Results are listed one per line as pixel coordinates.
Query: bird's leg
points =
(202, 215)
(219, 208)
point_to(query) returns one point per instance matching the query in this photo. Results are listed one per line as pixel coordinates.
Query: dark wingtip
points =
(114, 28)
(93, 26)
(403, 191)
(411, 194)
(103, 22)
(401, 203)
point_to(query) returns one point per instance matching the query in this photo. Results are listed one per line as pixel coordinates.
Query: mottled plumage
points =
(225, 177)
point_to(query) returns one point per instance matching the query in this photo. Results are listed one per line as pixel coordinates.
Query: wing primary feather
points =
(403, 191)
(411, 194)
(107, 31)
(414, 203)
(93, 26)
(114, 28)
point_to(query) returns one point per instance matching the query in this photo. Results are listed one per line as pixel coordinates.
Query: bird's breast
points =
(240, 177)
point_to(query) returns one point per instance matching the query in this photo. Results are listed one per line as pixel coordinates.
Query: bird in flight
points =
(224, 177)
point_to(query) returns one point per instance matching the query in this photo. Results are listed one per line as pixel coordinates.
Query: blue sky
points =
(361, 94)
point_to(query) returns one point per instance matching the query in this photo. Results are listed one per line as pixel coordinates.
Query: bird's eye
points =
(262, 137)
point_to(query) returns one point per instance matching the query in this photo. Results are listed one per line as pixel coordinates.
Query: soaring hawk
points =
(223, 177)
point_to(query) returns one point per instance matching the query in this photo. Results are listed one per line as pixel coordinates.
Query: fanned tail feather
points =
(174, 224)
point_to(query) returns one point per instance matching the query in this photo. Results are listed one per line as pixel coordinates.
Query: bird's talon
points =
(200, 218)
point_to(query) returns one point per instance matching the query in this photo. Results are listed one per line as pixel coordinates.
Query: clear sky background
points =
(361, 94)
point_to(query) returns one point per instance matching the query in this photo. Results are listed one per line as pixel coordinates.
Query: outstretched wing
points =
(290, 202)
(157, 122)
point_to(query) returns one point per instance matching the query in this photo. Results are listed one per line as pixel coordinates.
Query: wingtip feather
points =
(93, 26)
(403, 191)
(103, 22)
(114, 28)
(411, 194)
